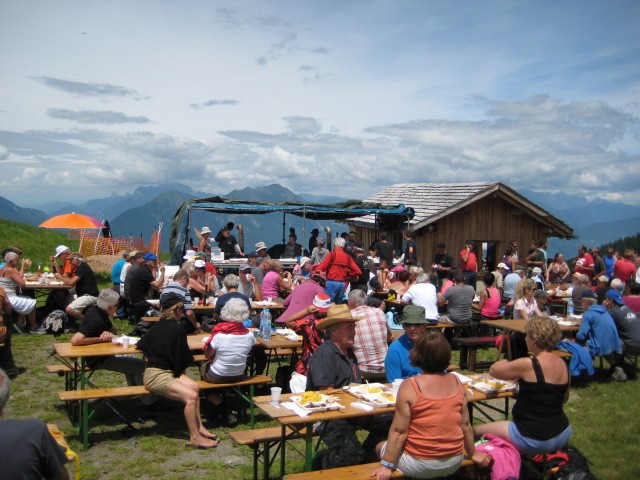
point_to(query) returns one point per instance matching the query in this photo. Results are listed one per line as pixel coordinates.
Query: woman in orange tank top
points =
(431, 431)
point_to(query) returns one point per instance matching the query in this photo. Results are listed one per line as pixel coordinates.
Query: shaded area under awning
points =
(389, 217)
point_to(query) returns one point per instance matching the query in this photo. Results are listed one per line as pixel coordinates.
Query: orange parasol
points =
(72, 220)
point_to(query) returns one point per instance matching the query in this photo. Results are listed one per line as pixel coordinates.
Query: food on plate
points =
(308, 397)
(371, 389)
(388, 396)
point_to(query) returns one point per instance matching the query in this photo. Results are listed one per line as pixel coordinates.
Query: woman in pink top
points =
(272, 283)
(489, 298)
(431, 430)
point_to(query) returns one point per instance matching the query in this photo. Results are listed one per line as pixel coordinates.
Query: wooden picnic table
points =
(293, 425)
(517, 326)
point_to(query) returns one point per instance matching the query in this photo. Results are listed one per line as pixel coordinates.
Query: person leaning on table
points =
(539, 423)
(96, 327)
(168, 355)
(431, 430)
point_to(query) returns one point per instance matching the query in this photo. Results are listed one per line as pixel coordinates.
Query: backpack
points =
(571, 464)
(55, 322)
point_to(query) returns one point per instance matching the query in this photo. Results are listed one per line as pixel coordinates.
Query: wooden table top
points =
(53, 285)
(518, 325)
(66, 350)
(285, 416)
(279, 341)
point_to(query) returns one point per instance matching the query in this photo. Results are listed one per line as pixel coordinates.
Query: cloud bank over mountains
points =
(335, 97)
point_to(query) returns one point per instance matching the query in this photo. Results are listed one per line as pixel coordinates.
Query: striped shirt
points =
(175, 287)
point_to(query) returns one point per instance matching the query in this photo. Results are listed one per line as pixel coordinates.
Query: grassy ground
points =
(603, 415)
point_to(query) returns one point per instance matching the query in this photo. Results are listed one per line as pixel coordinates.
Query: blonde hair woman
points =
(525, 305)
(539, 424)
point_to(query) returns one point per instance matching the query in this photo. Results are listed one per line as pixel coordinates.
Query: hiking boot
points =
(619, 375)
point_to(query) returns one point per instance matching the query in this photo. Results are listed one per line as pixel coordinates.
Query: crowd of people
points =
(335, 300)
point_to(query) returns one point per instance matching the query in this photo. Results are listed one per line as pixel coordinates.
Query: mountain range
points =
(140, 212)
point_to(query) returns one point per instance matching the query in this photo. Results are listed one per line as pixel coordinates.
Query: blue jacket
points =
(599, 331)
(580, 358)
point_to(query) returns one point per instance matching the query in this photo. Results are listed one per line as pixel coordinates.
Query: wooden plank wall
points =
(487, 220)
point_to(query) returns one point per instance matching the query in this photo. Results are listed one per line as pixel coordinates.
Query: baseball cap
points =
(502, 265)
(61, 249)
(588, 294)
(614, 295)
(189, 254)
(322, 301)
(540, 293)
(536, 270)
(253, 255)
(150, 256)
(244, 267)
(199, 264)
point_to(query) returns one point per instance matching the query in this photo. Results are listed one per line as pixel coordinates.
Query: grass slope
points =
(38, 244)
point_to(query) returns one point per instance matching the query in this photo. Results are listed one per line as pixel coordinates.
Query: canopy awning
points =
(389, 217)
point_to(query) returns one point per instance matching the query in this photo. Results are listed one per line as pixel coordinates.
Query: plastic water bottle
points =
(265, 324)
(570, 308)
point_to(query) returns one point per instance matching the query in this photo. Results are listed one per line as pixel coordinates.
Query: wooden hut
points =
(490, 214)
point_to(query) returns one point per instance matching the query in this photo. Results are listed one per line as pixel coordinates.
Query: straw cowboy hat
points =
(337, 314)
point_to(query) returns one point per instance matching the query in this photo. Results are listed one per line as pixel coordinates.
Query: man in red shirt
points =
(584, 262)
(624, 268)
(469, 264)
(339, 266)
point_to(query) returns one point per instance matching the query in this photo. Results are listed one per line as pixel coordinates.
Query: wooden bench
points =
(83, 397)
(72, 456)
(469, 348)
(354, 472)
(261, 440)
(70, 377)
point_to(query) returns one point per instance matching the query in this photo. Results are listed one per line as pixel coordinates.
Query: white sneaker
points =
(619, 375)
(39, 331)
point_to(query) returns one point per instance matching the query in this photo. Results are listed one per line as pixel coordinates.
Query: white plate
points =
(463, 378)
(483, 386)
(566, 323)
(376, 400)
(324, 404)
(360, 391)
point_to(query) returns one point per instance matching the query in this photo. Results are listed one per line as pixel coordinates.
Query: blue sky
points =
(341, 97)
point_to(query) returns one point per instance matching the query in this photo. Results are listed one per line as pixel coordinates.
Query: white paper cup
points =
(125, 342)
(196, 300)
(269, 299)
(275, 394)
(396, 386)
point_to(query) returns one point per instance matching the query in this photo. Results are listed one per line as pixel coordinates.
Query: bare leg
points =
(187, 391)
(32, 319)
(500, 429)
(72, 312)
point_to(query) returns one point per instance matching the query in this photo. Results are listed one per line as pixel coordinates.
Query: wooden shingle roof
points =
(432, 201)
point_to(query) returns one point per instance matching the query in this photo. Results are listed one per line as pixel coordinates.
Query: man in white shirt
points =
(423, 294)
